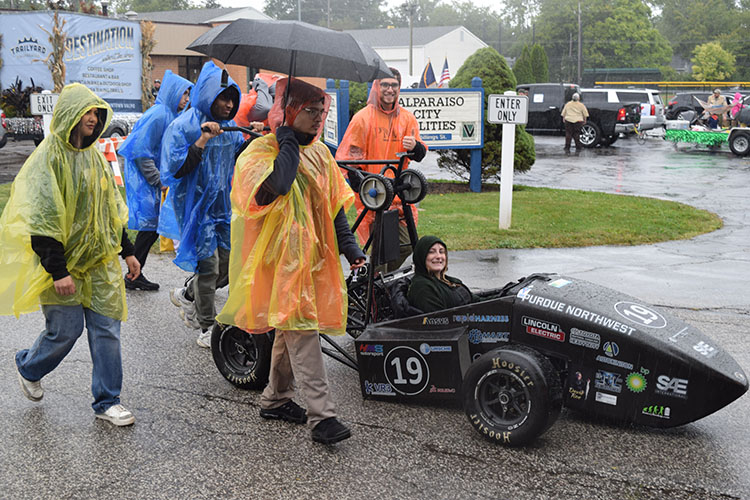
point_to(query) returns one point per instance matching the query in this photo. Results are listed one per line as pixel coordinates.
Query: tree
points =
(738, 43)
(687, 23)
(522, 68)
(481, 21)
(616, 34)
(496, 77)
(712, 63)
(419, 10)
(344, 14)
(539, 64)
(152, 5)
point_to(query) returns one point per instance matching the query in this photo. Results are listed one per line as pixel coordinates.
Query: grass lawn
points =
(544, 217)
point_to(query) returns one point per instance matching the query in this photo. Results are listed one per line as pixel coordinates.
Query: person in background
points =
(378, 132)
(737, 107)
(716, 99)
(142, 153)
(289, 199)
(156, 87)
(197, 161)
(574, 115)
(60, 235)
(255, 105)
(431, 289)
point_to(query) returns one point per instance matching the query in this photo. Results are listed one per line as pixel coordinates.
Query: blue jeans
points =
(64, 324)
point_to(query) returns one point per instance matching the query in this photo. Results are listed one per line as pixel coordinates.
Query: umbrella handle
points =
(246, 130)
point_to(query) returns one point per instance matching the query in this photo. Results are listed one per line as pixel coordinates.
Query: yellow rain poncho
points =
(70, 195)
(284, 267)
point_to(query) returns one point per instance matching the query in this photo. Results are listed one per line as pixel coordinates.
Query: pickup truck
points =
(546, 101)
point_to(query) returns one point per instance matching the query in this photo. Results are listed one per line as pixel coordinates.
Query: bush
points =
(496, 77)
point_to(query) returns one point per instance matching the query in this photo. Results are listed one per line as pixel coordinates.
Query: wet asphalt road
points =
(196, 436)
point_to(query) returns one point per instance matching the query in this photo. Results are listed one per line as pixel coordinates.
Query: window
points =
(592, 97)
(632, 96)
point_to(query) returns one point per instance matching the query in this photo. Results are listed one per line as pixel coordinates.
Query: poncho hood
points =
(171, 91)
(75, 101)
(207, 89)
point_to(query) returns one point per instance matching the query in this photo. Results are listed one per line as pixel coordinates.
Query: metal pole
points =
(580, 51)
(329, 14)
(299, 10)
(411, 39)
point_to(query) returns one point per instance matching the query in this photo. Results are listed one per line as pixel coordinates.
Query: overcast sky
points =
(258, 4)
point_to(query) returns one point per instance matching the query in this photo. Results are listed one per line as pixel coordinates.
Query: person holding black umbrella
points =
(289, 225)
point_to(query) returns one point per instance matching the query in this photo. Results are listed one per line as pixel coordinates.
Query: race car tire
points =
(411, 186)
(376, 192)
(591, 135)
(242, 358)
(512, 395)
(739, 143)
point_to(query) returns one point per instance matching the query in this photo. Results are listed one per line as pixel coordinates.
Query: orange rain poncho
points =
(284, 267)
(70, 195)
(377, 134)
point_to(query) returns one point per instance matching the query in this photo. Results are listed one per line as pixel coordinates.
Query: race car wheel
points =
(590, 135)
(411, 186)
(376, 192)
(243, 359)
(512, 395)
(739, 143)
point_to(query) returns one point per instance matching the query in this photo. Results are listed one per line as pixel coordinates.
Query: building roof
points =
(399, 37)
(202, 16)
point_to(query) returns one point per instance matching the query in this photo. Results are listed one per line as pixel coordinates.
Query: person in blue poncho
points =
(197, 163)
(142, 153)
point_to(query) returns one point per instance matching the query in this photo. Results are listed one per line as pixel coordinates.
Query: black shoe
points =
(289, 411)
(330, 431)
(140, 283)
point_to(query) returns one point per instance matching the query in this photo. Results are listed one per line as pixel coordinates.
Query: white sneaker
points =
(204, 339)
(190, 320)
(177, 297)
(32, 390)
(118, 415)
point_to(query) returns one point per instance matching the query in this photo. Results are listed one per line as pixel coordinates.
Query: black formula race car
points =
(514, 358)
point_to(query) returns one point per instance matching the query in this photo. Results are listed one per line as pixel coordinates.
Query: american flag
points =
(445, 76)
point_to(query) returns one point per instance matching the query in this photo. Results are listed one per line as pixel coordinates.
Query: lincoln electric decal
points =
(101, 53)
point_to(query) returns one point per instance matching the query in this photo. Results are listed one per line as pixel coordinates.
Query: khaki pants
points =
(297, 355)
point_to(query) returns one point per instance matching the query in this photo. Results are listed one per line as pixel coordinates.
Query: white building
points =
(433, 43)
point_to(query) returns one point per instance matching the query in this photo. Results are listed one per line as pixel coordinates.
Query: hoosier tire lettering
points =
(244, 360)
(512, 395)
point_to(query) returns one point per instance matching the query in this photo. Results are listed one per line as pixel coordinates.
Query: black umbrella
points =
(298, 48)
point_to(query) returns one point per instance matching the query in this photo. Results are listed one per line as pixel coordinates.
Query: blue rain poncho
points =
(198, 210)
(144, 142)
(70, 195)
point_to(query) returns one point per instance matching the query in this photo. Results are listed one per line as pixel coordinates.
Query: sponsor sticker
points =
(481, 318)
(477, 336)
(614, 362)
(671, 386)
(559, 283)
(605, 398)
(442, 390)
(542, 328)
(378, 389)
(611, 349)
(636, 382)
(608, 381)
(435, 321)
(583, 338)
(371, 349)
(427, 348)
(656, 411)
(705, 349)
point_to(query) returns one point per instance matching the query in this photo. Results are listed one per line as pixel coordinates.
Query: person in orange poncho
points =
(377, 132)
(256, 103)
(288, 228)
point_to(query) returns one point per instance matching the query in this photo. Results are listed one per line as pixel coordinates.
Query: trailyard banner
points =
(448, 118)
(101, 53)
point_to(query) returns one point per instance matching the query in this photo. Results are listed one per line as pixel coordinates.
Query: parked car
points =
(546, 101)
(652, 108)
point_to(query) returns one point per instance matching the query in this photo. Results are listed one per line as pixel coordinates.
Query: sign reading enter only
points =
(508, 109)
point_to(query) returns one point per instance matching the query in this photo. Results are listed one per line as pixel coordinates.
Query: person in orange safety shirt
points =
(378, 132)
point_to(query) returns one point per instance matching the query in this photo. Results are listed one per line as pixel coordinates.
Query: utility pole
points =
(580, 50)
(412, 8)
(329, 15)
(299, 10)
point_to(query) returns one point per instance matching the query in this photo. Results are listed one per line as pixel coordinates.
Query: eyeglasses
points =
(314, 112)
(385, 85)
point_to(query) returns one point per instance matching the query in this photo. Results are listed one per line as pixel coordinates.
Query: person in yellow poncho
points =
(288, 228)
(60, 235)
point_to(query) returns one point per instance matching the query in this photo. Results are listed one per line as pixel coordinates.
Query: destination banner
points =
(101, 53)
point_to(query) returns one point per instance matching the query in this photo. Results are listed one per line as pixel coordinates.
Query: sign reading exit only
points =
(508, 109)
